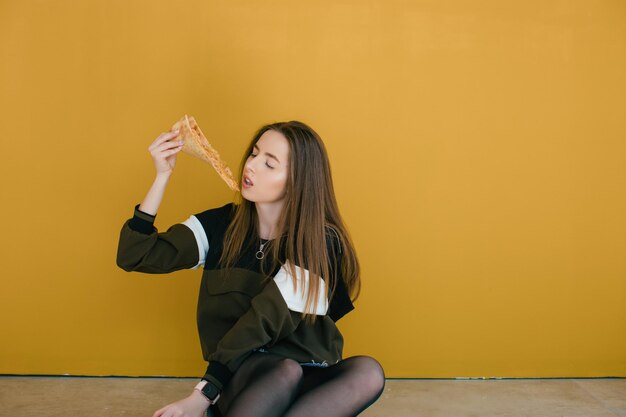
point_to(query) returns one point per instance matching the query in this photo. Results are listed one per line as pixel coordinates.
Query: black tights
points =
(268, 385)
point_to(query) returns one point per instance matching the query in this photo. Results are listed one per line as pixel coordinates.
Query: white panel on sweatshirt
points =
(201, 239)
(296, 300)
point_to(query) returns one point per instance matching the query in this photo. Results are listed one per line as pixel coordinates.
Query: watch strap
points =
(200, 387)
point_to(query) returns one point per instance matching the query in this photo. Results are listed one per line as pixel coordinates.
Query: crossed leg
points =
(270, 385)
(345, 389)
(264, 385)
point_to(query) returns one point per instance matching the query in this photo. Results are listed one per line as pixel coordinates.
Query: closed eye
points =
(266, 164)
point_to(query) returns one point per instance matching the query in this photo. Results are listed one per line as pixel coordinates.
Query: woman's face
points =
(267, 168)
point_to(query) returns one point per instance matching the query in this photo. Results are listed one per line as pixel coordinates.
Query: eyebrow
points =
(268, 154)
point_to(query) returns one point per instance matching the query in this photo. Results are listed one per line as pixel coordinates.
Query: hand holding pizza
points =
(196, 144)
(164, 150)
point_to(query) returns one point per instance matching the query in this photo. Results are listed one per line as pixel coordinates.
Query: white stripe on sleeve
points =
(296, 301)
(203, 243)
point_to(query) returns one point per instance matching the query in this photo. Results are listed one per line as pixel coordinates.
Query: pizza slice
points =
(196, 144)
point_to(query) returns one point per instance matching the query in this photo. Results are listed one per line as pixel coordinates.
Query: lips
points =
(247, 180)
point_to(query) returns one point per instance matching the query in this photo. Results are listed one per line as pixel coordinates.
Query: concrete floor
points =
(100, 397)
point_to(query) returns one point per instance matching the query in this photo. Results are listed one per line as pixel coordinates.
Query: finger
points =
(171, 152)
(158, 413)
(169, 145)
(166, 146)
(166, 152)
(169, 136)
(163, 137)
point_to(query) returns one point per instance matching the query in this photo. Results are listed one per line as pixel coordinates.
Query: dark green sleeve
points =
(142, 248)
(268, 320)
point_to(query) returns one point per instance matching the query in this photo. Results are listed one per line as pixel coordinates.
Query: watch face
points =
(210, 391)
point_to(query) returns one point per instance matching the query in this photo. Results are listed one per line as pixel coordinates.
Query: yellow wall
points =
(477, 150)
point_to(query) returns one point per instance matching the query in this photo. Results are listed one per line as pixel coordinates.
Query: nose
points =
(248, 171)
(249, 167)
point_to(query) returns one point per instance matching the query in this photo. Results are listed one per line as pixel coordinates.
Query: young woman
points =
(279, 268)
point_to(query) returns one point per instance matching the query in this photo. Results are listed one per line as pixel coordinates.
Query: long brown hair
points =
(310, 216)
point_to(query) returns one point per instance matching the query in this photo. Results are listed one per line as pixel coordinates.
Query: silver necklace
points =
(260, 254)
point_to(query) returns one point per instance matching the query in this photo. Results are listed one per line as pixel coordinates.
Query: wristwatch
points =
(209, 390)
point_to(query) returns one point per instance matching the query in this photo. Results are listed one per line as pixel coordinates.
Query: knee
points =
(373, 375)
(290, 371)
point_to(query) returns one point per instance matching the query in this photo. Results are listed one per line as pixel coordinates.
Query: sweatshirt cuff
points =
(218, 374)
(142, 222)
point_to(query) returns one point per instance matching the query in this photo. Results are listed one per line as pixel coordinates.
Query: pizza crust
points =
(196, 144)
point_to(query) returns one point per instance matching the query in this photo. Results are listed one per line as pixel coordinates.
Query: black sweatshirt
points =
(242, 312)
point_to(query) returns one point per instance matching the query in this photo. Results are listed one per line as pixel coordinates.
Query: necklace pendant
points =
(262, 255)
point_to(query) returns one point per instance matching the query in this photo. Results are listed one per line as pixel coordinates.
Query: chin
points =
(245, 194)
